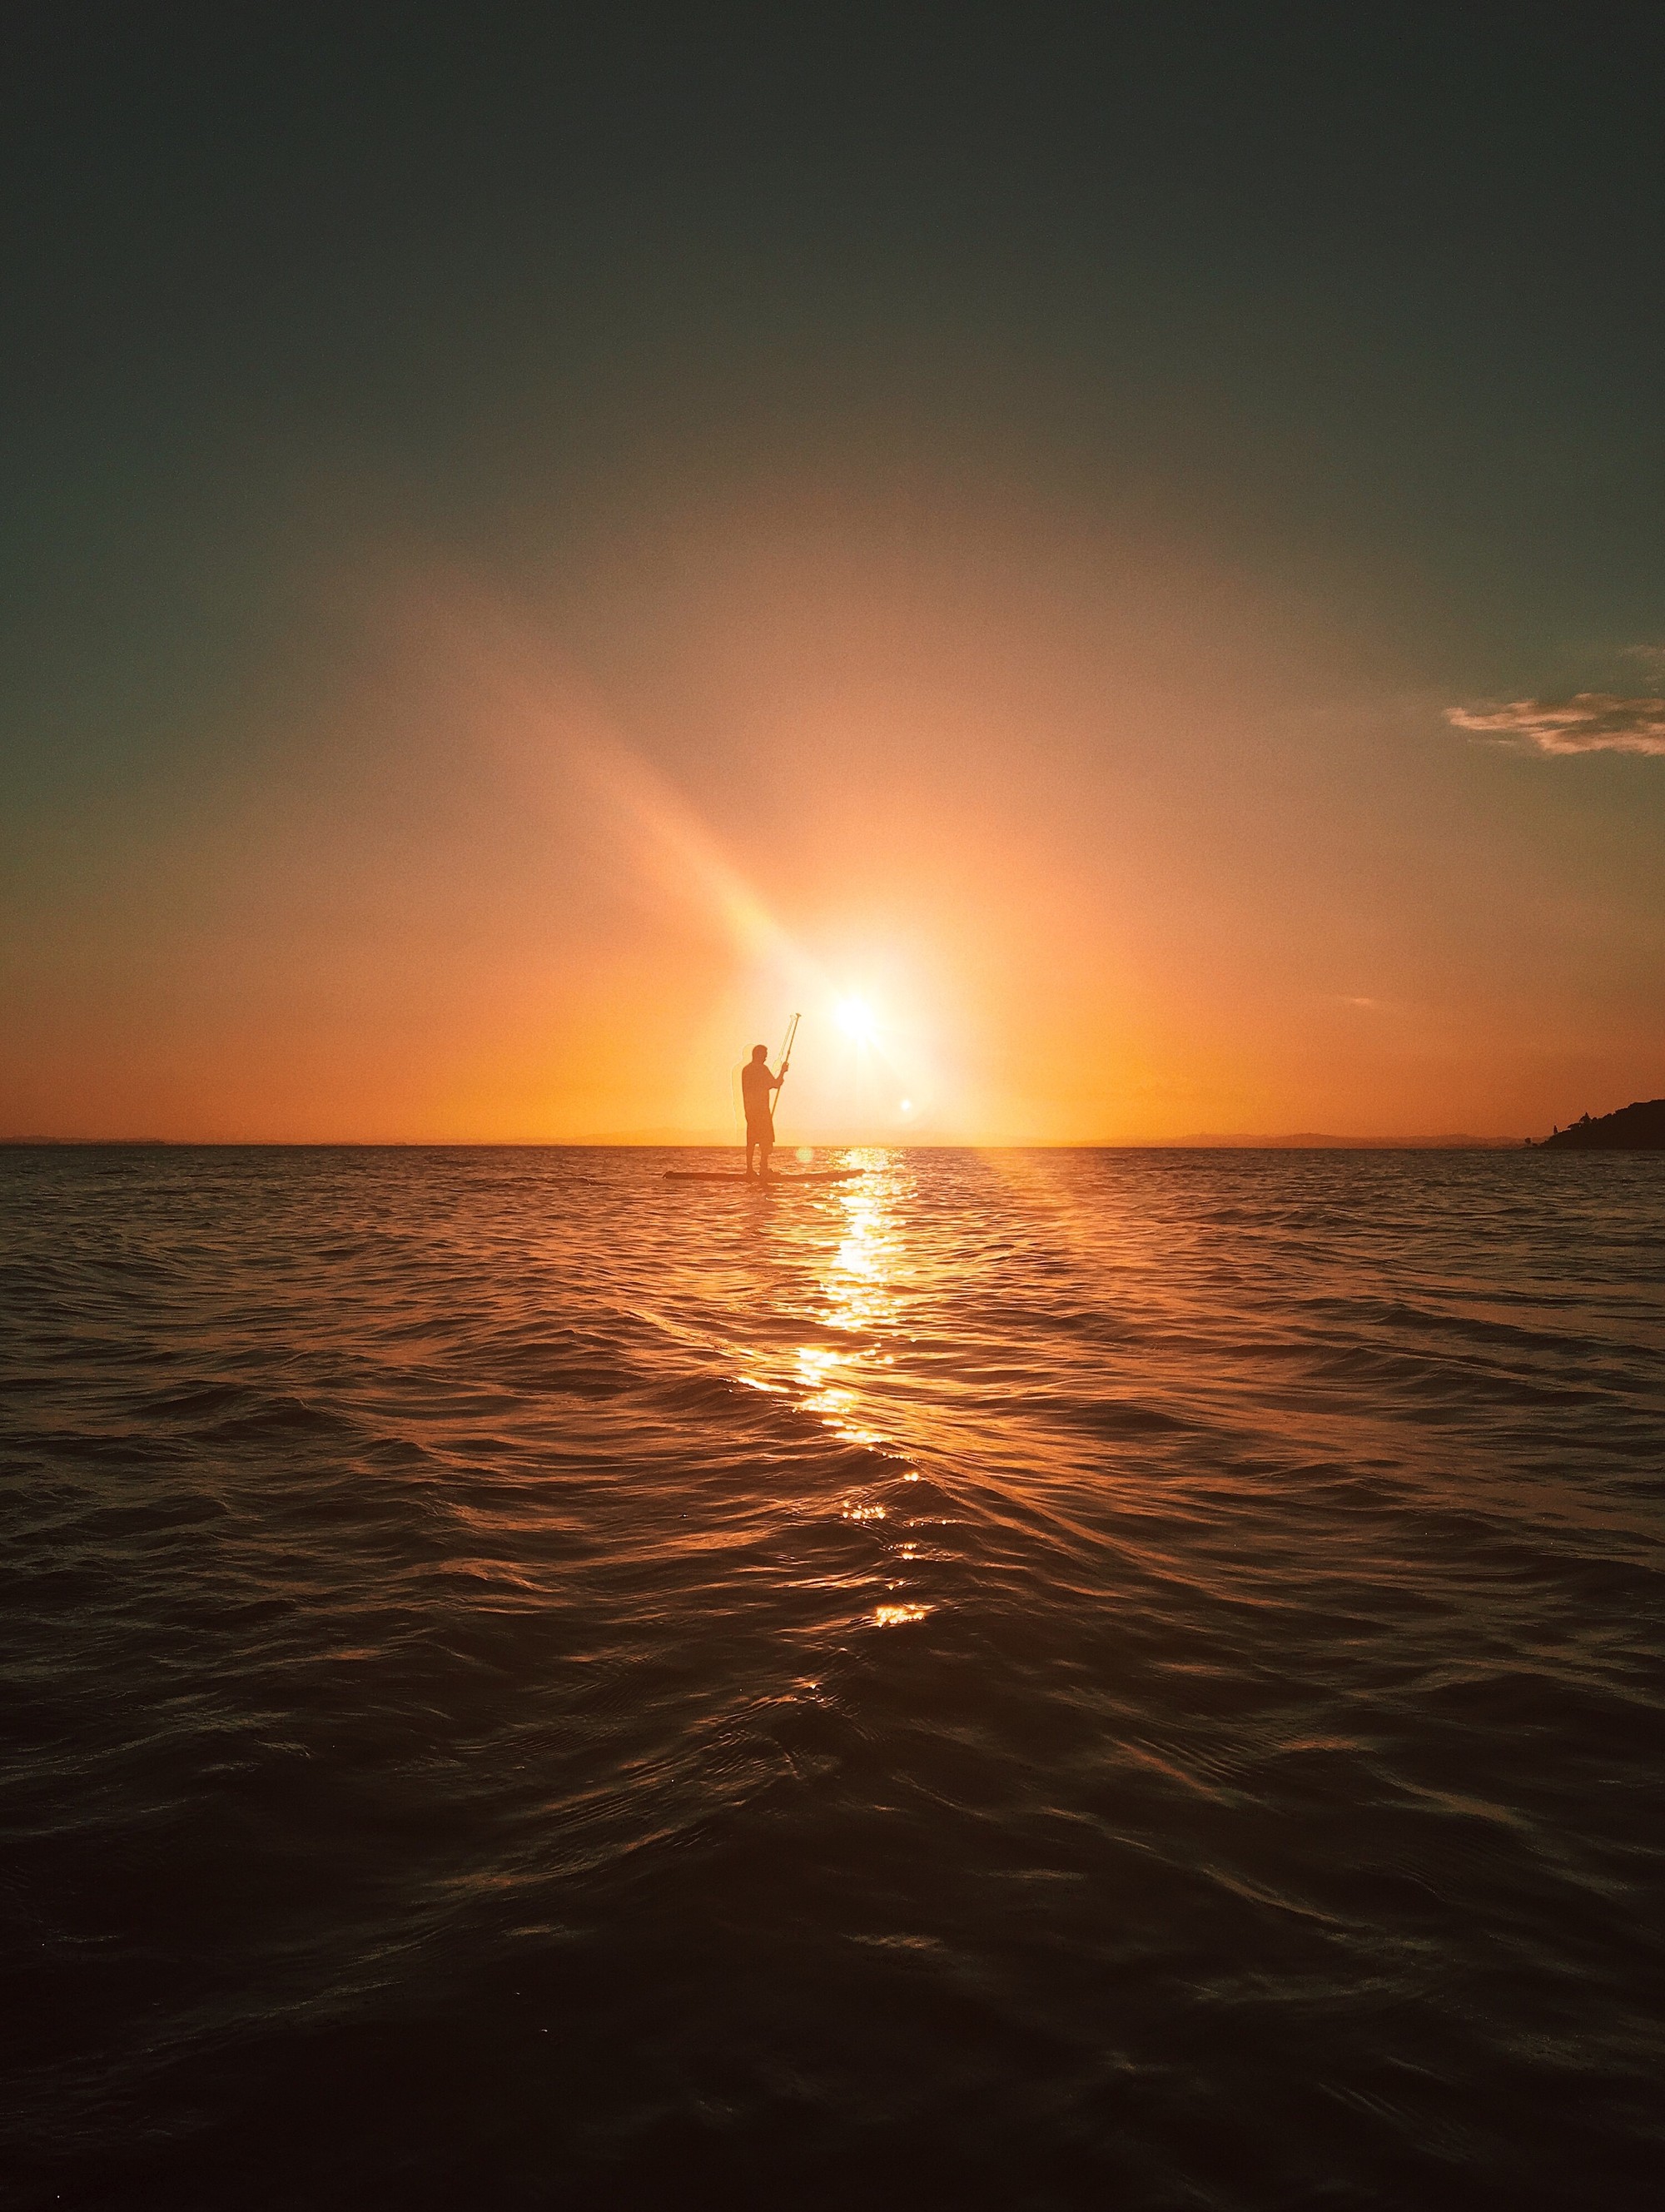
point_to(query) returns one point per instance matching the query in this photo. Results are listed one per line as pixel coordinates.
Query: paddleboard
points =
(770, 1182)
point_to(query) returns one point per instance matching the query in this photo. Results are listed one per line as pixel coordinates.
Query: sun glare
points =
(855, 1019)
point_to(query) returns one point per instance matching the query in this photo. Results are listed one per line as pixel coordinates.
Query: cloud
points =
(1588, 722)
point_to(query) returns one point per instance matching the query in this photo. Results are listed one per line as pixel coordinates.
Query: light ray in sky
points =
(542, 719)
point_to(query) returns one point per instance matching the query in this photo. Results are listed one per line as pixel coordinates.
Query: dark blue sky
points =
(1374, 282)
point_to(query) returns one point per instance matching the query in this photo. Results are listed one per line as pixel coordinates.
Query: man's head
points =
(760, 1052)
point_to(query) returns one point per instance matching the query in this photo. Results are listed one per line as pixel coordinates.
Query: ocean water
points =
(1072, 1679)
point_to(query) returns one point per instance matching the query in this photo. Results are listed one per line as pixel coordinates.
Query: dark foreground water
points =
(1102, 1679)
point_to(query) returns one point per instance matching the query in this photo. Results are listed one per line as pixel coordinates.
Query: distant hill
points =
(1638, 1128)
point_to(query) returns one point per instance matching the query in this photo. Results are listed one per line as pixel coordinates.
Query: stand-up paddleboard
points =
(758, 1182)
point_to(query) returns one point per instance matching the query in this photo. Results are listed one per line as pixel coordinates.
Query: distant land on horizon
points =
(1638, 1127)
(1299, 1140)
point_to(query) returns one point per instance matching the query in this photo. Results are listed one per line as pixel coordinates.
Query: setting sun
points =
(855, 1019)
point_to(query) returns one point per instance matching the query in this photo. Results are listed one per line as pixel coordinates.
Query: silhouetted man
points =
(756, 1084)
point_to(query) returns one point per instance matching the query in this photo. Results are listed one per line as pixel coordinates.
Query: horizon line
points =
(1199, 1140)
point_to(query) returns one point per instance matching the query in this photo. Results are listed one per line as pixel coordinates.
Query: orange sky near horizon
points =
(1118, 845)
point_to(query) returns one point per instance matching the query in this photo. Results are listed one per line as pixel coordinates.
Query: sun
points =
(855, 1019)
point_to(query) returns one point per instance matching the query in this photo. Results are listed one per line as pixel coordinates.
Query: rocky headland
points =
(1636, 1128)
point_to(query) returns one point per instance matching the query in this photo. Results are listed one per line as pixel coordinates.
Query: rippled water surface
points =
(1084, 1679)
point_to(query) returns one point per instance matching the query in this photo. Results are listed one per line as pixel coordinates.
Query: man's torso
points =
(755, 1083)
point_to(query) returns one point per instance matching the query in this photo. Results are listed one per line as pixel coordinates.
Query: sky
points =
(1113, 559)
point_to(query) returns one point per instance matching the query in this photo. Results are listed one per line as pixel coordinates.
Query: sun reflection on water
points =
(853, 1275)
(857, 1299)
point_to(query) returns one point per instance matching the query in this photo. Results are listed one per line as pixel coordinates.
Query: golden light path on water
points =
(861, 1262)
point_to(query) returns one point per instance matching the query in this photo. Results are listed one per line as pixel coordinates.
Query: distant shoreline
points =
(1313, 1143)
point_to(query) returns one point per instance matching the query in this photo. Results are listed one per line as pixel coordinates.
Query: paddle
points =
(786, 1057)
